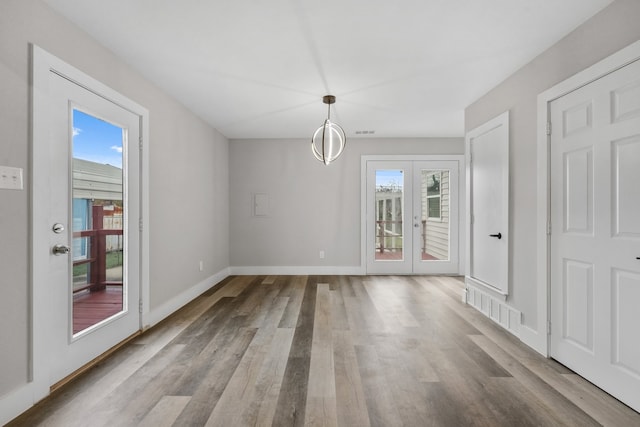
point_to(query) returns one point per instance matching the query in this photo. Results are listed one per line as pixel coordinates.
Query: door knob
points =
(499, 235)
(60, 250)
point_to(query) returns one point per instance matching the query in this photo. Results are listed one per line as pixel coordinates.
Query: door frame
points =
(539, 339)
(43, 64)
(416, 157)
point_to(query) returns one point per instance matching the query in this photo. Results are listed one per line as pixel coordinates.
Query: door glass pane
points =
(388, 210)
(434, 231)
(98, 213)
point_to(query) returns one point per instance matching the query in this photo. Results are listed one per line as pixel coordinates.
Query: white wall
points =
(607, 32)
(188, 176)
(312, 207)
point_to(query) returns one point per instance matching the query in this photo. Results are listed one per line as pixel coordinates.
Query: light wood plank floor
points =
(331, 351)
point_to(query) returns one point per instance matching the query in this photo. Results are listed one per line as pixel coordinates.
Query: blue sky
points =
(389, 176)
(96, 140)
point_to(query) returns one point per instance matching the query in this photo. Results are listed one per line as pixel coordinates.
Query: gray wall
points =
(188, 174)
(312, 207)
(609, 31)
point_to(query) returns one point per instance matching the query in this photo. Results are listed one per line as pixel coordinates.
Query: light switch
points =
(260, 204)
(11, 178)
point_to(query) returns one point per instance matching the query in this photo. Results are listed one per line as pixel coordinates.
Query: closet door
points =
(595, 240)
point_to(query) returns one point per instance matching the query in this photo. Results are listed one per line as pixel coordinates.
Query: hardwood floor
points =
(331, 351)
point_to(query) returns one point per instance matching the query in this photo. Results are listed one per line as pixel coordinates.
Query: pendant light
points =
(329, 140)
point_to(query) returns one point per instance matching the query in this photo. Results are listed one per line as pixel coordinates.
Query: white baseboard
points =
(18, 401)
(535, 339)
(160, 313)
(298, 271)
(494, 307)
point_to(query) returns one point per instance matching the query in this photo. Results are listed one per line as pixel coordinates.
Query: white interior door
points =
(90, 203)
(412, 217)
(488, 204)
(595, 240)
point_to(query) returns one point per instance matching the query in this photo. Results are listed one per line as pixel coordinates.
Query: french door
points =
(86, 204)
(412, 217)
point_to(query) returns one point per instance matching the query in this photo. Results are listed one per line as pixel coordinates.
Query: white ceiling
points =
(259, 68)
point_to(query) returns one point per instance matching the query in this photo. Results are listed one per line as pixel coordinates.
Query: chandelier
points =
(329, 140)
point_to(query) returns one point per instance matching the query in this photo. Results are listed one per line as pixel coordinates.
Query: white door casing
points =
(57, 88)
(487, 148)
(595, 239)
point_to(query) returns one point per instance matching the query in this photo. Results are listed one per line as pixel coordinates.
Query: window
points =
(434, 210)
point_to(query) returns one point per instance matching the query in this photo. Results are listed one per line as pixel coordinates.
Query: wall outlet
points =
(11, 178)
(321, 254)
(201, 265)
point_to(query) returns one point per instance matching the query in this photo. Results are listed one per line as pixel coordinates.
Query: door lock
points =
(57, 228)
(499, 235)
(61, 250)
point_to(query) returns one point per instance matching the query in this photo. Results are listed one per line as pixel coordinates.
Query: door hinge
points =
(140, 143)
(140, 224)
(470, 157)
(549, 228)
(548, 128)
(548, 327)
(472, 218)
(140, 306)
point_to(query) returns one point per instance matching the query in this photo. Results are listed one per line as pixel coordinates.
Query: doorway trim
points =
(408, 157)
(539, 338)
(43, 64)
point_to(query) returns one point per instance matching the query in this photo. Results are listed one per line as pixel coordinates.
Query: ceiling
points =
(259, 68)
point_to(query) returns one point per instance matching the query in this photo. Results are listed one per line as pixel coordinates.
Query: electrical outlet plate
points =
(11, 178)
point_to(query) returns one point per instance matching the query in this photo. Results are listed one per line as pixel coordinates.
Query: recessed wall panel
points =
(625, 102)
(626, 187)
(578, 303)
(626, 320)
(576, 119)
(578, 191)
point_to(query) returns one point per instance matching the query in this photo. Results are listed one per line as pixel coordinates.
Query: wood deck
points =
(90, 308)
(335, 351)
(396, 256)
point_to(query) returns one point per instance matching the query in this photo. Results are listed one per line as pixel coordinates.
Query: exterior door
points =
(91, 202)
(412, 217)
(595, 239)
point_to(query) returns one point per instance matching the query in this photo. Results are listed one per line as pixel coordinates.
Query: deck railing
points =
(389, 240)
(97, 259)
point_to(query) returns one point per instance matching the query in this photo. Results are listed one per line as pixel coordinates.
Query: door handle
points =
(60, 250)
(499, 235)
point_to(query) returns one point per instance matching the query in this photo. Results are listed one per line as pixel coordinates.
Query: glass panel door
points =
(389, 204)
(412, 217)
(389, 210)
(434, 219)
(98, 207)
